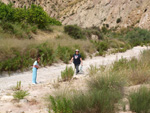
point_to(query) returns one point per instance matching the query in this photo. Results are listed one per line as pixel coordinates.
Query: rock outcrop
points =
(88, 13)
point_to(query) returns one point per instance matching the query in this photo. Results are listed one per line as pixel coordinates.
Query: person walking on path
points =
(35, 67)
(77, 60)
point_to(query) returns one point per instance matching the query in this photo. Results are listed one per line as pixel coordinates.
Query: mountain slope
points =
(88, 13)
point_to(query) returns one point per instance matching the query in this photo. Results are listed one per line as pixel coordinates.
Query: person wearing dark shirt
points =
(77, 60)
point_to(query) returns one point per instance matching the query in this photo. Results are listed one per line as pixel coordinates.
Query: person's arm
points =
(81, 61)
(36, 66)
(71, 60)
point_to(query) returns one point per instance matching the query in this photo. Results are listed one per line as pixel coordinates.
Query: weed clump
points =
(20, 94)
(61, 105)
(67, 74)
(74, 31)
(139, 101)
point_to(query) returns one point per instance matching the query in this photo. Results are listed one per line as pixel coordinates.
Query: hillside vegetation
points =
(21, 22)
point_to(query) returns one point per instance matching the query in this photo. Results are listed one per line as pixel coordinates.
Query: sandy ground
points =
(47, 79)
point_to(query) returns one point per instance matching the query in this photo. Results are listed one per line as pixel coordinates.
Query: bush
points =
(118, 20)
(101, 46)
(20, 94)
(123, 63)
(74, 31)
(6, 12)
(46, 54)
(64, 53)
(138, 36)
(32, 15)
(88, 32)
(60, 105)
(67, 74)
(36, 15)
(108, 81)
(15, 63)
(7, 27)
(140, 100)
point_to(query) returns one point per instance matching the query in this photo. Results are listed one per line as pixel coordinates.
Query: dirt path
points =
(51, 74)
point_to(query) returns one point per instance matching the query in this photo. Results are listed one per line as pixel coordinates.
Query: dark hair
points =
(38, 57)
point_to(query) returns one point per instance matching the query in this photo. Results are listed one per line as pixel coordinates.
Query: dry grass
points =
(9, 45)
(137, 71)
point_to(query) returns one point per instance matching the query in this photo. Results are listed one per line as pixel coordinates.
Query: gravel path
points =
(51, 74)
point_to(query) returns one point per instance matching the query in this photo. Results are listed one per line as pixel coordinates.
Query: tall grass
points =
(67, 74)
(92, 70)
(103, 92)
(140, 100)
(136, 70)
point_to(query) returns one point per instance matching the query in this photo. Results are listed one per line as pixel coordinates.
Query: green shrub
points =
(110, 81)
(120, 64)
(20, 94)
(101, 46)
(110, 85)
(46, 54)
(20, 14)
(6, 12)
(7, 27)
(65, 53)
(60, 105)
(88, 32)
(32, 15)
(123, 63)
(18, 62)
(36, 15)
(67, 74)
(118, 20)
(137, 36)
(53, 21)
(18, 86)
(104, 30)
(140, 100)
(74, 31)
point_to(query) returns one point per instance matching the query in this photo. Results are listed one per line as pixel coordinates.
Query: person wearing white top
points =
(34, 69)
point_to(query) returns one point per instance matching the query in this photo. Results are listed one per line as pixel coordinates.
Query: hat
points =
(77, 50)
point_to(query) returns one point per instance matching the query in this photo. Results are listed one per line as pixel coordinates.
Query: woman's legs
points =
(34, 76)
(77, 68)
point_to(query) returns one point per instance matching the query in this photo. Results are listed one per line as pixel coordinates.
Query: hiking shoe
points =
(34, 83)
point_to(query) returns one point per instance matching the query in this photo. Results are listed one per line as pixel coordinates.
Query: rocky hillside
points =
(88, 13)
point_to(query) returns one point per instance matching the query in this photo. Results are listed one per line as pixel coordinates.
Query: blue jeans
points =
(34, 75)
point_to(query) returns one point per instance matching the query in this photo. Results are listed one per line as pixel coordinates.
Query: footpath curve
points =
(52, 73)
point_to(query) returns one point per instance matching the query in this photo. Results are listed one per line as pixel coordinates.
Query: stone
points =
(94, 37)
(7, 98)
(23, 101)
